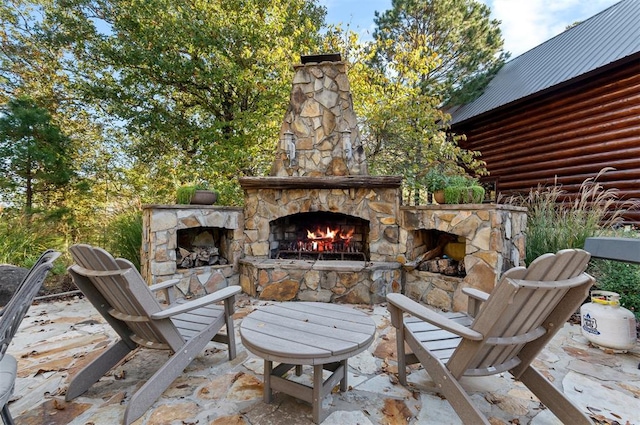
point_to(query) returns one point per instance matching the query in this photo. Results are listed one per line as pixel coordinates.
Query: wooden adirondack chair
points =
(10, 318)
(118, 292)
(511, 326)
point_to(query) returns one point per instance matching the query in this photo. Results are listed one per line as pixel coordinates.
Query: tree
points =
(200, 87)
(403, 126)
(426, 54)
(455, 39)
(33, 151)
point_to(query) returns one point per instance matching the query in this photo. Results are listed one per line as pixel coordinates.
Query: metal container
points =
(607, 325)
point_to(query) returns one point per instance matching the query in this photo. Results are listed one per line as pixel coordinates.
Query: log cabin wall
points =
(569, 133)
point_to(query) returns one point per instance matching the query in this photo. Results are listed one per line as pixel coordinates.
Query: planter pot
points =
(438, 196)
(204, 197)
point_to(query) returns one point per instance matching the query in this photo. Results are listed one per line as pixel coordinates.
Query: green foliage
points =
(435, 180)
(23, 239)
(622, 278)
(124, 236)
(185, 192)
(461, 180)
(199, 86)
(398, 85)
(463, 194)
(556, 222)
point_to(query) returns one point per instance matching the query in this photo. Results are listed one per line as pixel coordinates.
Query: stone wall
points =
(158, 255)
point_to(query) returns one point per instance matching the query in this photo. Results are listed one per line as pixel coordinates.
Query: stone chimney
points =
(319, 135)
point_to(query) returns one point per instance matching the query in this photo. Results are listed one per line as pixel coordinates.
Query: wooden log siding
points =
(569, 134)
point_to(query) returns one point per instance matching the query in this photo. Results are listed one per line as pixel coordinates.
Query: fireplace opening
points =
(201, 246)
(319, 236)
(440, 252)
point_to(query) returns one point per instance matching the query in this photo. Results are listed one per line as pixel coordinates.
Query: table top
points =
(306, 333)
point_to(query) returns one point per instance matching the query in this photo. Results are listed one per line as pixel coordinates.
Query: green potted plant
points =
(196, 194)
(463, 190)
(435, 182)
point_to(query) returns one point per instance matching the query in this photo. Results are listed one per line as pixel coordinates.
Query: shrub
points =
(555, 222)
(124, 236)
(185, 192)
(23, 238)
(463, 194)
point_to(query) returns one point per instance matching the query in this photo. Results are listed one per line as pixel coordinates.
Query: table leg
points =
(316, 402)
(343, 381)
(268, 368)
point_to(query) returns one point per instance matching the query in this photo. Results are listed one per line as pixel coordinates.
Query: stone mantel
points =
(464, 207)
(189, 206)
(324, 182)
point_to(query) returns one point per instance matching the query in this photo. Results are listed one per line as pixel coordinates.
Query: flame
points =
(320, 235)
(325, 240)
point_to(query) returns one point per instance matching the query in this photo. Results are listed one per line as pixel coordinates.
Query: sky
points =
(525, 23)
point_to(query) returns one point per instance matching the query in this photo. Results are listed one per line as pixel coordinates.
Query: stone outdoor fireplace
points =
(320, 228)
(319, 186)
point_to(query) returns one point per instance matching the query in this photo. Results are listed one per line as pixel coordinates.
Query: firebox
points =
(319, 236)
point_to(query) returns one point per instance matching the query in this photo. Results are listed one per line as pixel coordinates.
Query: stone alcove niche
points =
(202, 246)
(439, 252)
(168, 227)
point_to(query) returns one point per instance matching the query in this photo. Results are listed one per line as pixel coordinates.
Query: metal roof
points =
(607, 37)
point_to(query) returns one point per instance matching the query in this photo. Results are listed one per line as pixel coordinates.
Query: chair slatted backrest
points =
(17, 307)
(524, 311)
(128, 298)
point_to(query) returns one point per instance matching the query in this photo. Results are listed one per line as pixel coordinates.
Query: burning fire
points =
(326, 241)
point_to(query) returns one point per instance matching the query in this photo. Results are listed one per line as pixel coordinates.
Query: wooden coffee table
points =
(306, 333)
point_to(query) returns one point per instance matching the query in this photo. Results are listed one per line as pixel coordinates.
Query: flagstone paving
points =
(57, 338)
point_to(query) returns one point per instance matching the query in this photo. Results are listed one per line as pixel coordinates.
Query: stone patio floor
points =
(59, 337)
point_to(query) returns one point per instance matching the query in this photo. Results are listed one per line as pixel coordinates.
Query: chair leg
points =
(402, 364)
(142, 400)
(554, 399)
(448, 385)
(228, 310)
(95, 370)
(6, 416)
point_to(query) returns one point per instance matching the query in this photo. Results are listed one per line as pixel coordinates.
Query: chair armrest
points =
(476, 294)
(164, 285)
(421, 312)
(221, 295)
(476, 298)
